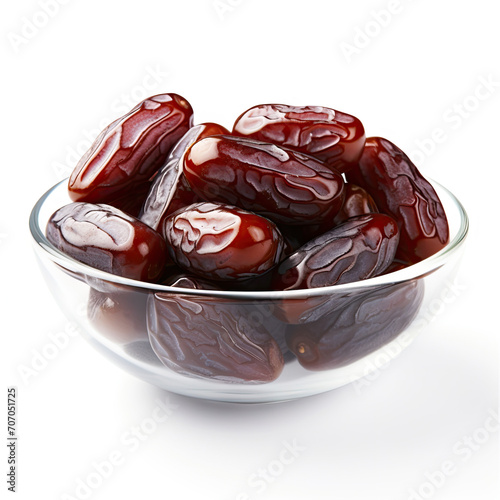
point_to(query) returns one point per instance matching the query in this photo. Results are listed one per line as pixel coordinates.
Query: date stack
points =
(293, 197)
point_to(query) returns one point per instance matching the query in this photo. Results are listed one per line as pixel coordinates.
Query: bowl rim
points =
(412, 272)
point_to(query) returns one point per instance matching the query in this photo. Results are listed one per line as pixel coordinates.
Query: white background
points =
(67, 73)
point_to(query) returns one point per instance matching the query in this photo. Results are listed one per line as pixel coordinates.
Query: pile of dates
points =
(294, 197)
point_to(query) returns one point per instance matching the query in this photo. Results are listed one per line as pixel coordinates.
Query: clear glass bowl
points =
(343, 333)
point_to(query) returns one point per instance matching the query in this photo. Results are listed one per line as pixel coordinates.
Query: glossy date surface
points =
(401, 191)
(294, 198)
(169, 190)
(278, 183)
(131, 203)
(130, 150)
(108, 239)
(211, 338)
(357, 202)
(359, 327)
(222, 242)
(118, 316)
(183, 197)
(334, 137)
(357, 249)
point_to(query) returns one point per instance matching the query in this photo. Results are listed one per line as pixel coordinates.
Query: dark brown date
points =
(309, 309)
(130, 150)
(294, 237)
(401, 191)
(108, 239)
(222, 242)
(141, 350)
(358, 328)
(396, 265)
(357, 249)
(280, 184)
(183, 197)
(334, 137)
(357, 202)
(120, 316)
(263, 313)
(211, 338)
(131, 203)
(258, 312)
(170, 178)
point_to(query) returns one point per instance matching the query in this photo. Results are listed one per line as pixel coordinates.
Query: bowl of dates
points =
(284, 256)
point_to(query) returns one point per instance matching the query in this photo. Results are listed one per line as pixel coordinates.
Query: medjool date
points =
(222, 242)
(280, 184)
(358, 249)
(401, 191)
(357, 328)
(211, 337)
(130, 150)
(108, 239)
(169, 185)
(334, 137)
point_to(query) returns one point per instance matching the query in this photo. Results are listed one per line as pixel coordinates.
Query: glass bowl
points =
(339, 334)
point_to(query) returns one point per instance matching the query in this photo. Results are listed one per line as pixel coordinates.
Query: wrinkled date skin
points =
(400, 191)
(261, 313)
(120, 316)
(130, 150)
(358, 249)
(211, 338)
(280, 184)
(132, 204)
(170, 180)
(358, 328)
(183, 197)
(357, 202)
(310, 309)
(258, 312)
(334, 137)
(108, 239)
(222, 242)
